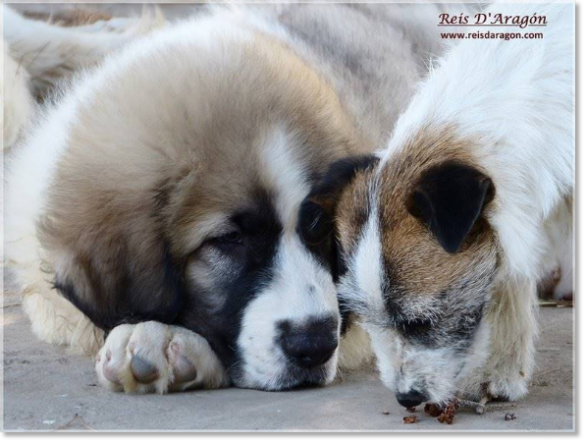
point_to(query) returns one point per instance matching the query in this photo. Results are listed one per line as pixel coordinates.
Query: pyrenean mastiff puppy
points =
(155, 212)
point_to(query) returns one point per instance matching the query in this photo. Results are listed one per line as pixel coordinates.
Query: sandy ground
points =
(46, 389)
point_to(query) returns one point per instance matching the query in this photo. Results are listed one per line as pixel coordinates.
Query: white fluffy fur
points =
(516, 99)
(301, 289)
(16, 98)
(50, 52)
(53, 318)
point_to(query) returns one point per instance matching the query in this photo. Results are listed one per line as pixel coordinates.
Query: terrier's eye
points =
(416, 327)
(315, 226)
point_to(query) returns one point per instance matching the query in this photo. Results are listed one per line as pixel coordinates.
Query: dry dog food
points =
(410, 419)
(445, 415)
(433, 409)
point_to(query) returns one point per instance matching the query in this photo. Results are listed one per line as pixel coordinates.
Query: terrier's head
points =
(418, 258)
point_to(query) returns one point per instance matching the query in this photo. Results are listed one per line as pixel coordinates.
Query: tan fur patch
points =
(353, 209)
(423, 265)
(170, 148)
(414, 258)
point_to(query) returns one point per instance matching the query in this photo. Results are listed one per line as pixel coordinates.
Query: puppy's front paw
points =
(507, 386)
(154, 357)
(500, 383)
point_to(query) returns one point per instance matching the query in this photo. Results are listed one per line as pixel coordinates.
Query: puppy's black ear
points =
(113, 263)
(112, 290)
(319, 207)
(449, 198)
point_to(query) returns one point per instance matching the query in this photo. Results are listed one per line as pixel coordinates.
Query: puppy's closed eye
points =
(227, 242)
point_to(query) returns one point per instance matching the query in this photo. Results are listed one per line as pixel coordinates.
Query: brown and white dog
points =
(158, 199)
(446, 233)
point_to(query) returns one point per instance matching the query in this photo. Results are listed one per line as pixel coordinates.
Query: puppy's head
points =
(177, 200)
(420, 258)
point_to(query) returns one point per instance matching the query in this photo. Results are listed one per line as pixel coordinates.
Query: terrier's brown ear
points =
(449, 199)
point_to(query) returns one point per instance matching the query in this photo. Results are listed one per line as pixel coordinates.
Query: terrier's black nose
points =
(411, 399)
(312, 344)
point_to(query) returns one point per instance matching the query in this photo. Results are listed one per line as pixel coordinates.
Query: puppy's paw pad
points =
(143, 371)
(153, 357)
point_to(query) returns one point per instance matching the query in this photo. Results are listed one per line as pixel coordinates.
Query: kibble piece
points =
(433, 409)
(510, 416)
(446, 418)
(411, 409)
(386, 412)
(447, 415)
(410, 419)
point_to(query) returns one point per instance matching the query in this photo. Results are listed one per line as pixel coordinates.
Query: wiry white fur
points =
(364, 284)
(441, 372)
(387, 349)
(515, 99)
(561, 248)
(368, 266)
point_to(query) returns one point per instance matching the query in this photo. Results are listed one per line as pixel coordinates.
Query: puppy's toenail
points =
(183, 370)
(110, 374)
(142, 370)
(109, 355)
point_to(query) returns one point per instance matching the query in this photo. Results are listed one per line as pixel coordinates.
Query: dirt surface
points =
(47, 389)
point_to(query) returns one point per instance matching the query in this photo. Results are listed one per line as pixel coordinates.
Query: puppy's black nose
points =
(411, 398)
(311, 344)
